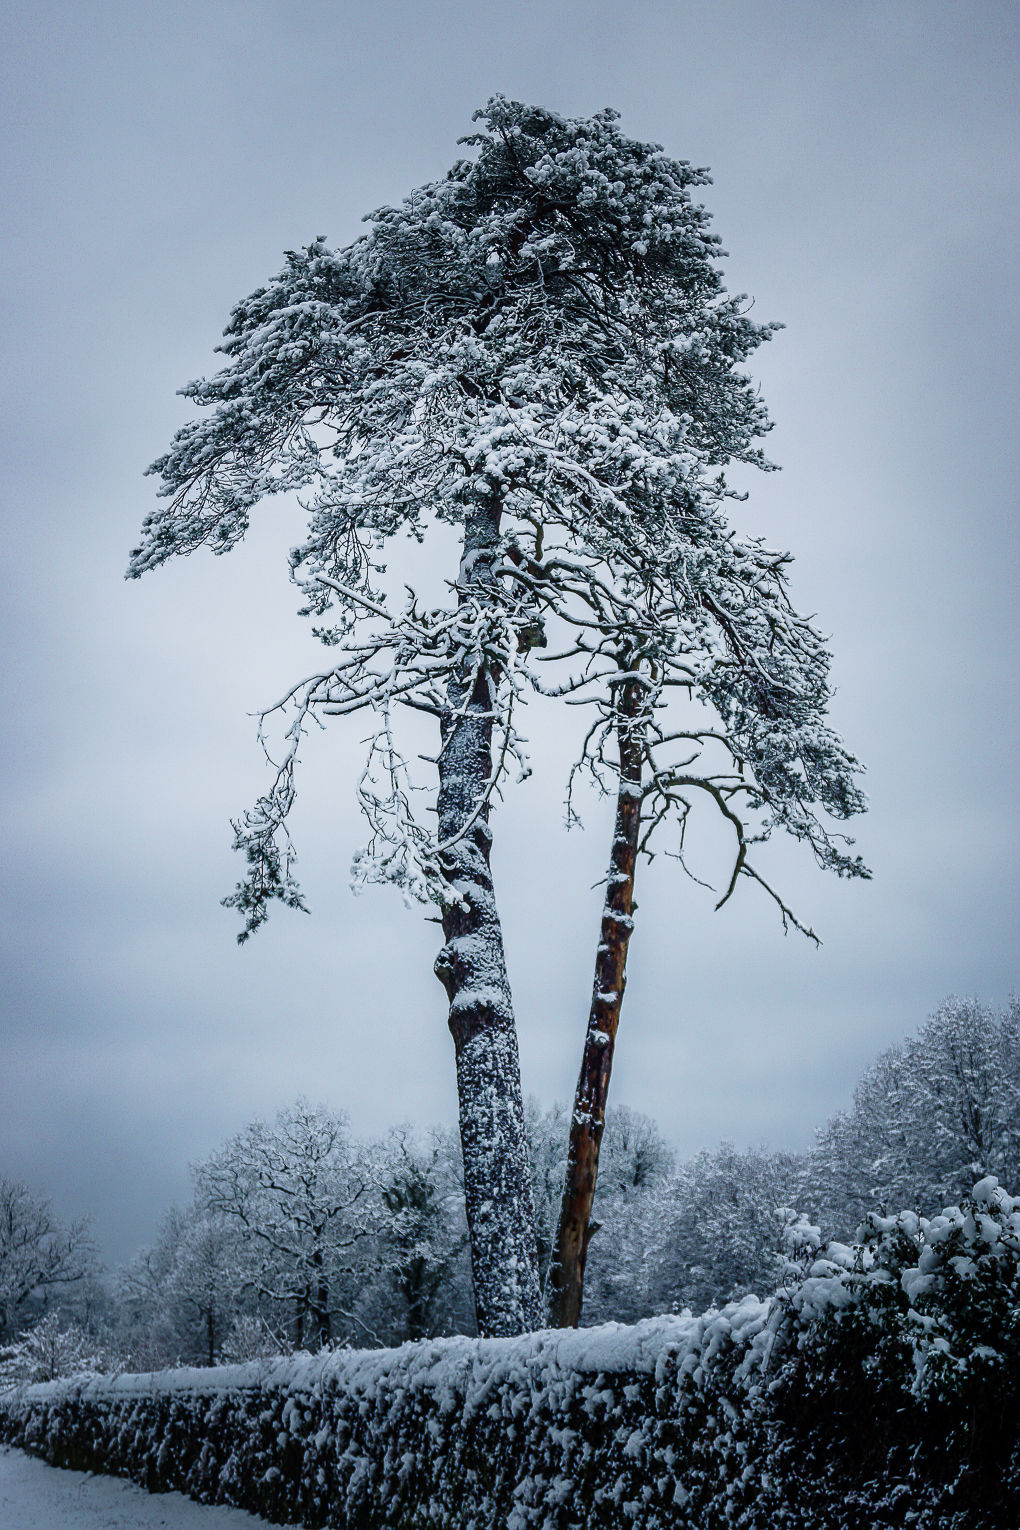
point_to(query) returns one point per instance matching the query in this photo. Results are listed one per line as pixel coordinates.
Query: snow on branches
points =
(545, 330)
(702, 617)
(38, 1255)
(416, 660)
(297, 1196)
(538, 350)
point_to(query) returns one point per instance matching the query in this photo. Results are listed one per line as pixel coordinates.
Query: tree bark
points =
(587, 1123)
(319, 1312)
(472, 968)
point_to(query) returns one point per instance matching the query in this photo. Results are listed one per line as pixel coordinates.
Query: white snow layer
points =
(34, 1496)
(459, 1367)
(402, 1431)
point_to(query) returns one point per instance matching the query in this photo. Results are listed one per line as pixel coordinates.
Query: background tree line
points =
(300, 1235)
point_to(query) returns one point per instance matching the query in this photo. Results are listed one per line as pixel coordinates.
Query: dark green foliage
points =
(555, 1444)
(902, 1406)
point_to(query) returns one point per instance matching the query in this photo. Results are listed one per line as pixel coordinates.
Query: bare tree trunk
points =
(472, 968)
(319, 1307)
(587, 1123)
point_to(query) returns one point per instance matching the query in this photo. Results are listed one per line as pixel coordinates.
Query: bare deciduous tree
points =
(38, 1255)
(298, 1195)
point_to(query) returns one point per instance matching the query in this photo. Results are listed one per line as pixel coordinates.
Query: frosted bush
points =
(250, 1338)
(49, 1351)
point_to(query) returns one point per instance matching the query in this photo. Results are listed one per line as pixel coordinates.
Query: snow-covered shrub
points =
(558, 1429)
(896, 1391)
(965, 1299)
(49, 1351)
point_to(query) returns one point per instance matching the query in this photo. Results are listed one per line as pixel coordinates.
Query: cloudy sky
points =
(158, 158)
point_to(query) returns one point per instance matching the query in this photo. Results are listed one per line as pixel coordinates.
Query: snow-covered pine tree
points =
(539, 350)
(377, 376)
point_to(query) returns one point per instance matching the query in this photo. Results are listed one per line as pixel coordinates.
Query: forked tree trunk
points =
(472, 968)
(587, 1123)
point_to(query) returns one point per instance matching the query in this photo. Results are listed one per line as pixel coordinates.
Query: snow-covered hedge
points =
(880, 1388)
(897, 1401)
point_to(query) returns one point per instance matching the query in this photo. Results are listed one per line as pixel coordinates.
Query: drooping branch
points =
(408, 661)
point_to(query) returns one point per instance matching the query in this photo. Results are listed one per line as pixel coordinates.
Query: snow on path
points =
(34, 1496)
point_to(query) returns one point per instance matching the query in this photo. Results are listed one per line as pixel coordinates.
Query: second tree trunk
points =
(587, 1123)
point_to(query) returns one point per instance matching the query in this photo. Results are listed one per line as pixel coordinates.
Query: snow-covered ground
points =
(34, 1496)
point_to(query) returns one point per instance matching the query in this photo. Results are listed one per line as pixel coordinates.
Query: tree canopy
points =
(546, 326)
(929, 1117)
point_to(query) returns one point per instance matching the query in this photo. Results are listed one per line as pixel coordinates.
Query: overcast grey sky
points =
(158, 158)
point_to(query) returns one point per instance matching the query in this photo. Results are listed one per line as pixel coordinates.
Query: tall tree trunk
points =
(472, 968)
(587, 1123)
